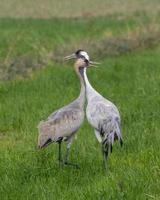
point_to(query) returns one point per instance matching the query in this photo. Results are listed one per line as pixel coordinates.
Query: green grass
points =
(131, 81)
(28, 44)
(22, 36)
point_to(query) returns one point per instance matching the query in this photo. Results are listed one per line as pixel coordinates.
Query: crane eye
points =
(81, 56)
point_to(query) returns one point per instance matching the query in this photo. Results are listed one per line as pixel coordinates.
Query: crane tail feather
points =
(121, 142)
(108, 141)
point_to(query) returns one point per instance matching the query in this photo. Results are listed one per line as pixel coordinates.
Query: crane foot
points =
(72, 164)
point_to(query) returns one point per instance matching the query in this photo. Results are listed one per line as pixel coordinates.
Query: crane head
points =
(83, 55)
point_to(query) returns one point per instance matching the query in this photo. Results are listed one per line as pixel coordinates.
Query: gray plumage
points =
(64, 123)
(104, 117)
(101, 113)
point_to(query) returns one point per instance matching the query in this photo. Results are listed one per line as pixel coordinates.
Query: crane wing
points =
(99, 111)
(63, 123)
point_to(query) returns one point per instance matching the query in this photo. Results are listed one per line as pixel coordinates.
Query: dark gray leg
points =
(69, 142)
(105, 155)
(67, 154)
(59, 153)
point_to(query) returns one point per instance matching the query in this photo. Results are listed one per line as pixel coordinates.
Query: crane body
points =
(62, 124)
(104, 117)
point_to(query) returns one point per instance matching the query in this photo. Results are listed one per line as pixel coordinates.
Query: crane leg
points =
(59, 152)
(67, 154)
(69, 142)
(105, 155)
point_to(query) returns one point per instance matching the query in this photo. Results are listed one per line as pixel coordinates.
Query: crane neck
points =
(80, 73)
(90, 91)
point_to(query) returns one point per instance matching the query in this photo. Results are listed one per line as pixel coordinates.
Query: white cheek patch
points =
(83, 53)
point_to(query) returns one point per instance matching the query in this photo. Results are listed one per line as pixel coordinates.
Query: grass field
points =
(35, 82)
(74, 8)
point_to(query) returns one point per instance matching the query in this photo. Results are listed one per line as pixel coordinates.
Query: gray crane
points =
(62, 124)
(102, 115)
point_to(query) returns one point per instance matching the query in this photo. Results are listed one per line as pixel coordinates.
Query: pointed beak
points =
(93, 64)
(72, 56)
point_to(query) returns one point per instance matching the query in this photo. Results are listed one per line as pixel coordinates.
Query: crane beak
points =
(93, 64)
(72, 56)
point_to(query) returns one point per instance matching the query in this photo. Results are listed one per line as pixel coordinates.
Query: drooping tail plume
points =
(113, 133)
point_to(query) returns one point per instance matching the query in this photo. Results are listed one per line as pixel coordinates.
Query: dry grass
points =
(20, 67)
(74, 8)
(141, 38)
(106, 44)
(138, 39)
